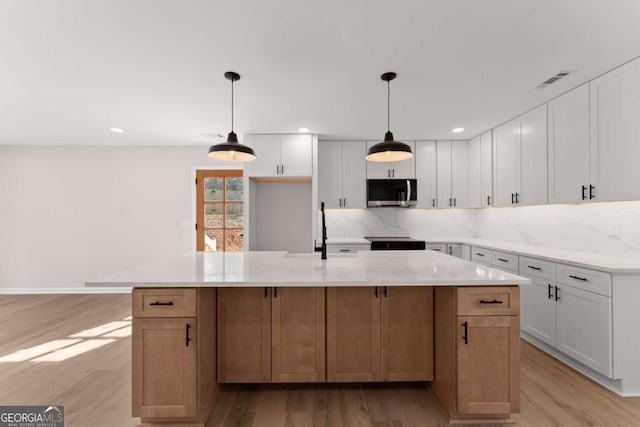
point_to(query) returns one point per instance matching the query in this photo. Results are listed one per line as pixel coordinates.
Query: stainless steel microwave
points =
(392, 192)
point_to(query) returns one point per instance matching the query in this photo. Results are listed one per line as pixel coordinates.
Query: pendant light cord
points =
(231, 105)
(388, 105)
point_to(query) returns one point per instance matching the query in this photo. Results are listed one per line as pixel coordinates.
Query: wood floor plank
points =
(95, 385)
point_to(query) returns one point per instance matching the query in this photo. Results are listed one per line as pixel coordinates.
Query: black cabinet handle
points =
(375, 291)
(433, 203)
(502, 259)
(345, 250)
(344, 203)
(393, 172)
(584, 279)
(513, 198)
(488, 200)
(534, 267)
(266, 293)
(493, 301)
(549, 291)
(281, 169)
(162, 303)
(187, 335)
(275, 292)
(584, 188)
(385, 292)
(465, 337)
(479, 254)
(591, 189)
(450, 201)
(455, 203)
(557, 293)
(517, 198)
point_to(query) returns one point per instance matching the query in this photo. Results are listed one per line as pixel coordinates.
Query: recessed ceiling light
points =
(116, 130)
(303, 130)
(457, 130)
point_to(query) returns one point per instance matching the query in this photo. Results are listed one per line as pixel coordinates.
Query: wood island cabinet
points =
(379, 334)
(271, 335)
(477, 362)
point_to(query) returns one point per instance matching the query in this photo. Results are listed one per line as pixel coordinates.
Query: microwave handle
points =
(408, 191)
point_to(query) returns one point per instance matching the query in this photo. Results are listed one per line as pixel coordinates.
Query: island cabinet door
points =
(488, 364)
(353, 334)
(298, 335)
(244, 335)
(407, 333)
(164, 368)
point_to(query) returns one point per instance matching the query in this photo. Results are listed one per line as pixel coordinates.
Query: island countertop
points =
(365, 268)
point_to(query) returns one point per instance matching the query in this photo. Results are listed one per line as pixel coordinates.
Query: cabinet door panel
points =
(506, 152)
(244, 335)
(584, 327)
(488, 365)
(405, 169)
(486, 166)
(460, 173)
(330, 173)
(353, 334)
(298, 335)
(569, 156)
(533, 160)
(377, 170)
(426, 173)
(443, 154)
(295, 155)
(407, 333)
(538, 310)
(267, 149)
(616, 132)
(164, 374)
(354, 174)
(475, 173)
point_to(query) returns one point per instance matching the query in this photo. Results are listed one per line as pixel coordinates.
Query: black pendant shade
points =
(232, 150)
(389, 150)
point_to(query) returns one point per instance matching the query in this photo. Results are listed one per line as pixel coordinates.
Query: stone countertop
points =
(365, 268)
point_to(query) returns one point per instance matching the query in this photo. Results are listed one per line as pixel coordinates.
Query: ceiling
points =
(72, 69)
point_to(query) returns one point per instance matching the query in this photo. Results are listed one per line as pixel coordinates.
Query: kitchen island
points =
(203, 320)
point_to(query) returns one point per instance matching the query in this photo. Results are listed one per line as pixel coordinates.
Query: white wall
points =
(71, 214)
(584, 227)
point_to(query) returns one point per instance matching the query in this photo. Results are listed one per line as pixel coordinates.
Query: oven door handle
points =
(408, 191)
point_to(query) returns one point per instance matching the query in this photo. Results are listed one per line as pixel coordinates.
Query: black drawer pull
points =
(345, 250)
(385, 291)
(187, 335)
(502, 259)
(550, 291)
(266, 293)
(493, 301)
(579, 278)
(162, 303)
(479, 254)
(376, 291)
(275, 292)
(557, 293)
(584, 188)
(465, 337)
(534, 267)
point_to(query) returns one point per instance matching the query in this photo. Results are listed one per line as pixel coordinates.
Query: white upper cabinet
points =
(570, 148)
(475, 172)
(533, 157)
(615, 132)
(520, 160)
(506, 163)
(402, 169)
(342, 174)
(426, 171)
(281, 155)
(486, 168)
(453, 173)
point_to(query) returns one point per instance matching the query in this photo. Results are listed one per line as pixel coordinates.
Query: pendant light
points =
(389, 150)
(232, 150)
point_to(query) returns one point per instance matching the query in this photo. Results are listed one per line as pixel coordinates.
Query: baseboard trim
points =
(77, 290)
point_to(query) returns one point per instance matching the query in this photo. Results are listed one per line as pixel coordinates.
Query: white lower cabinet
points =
(575, 321)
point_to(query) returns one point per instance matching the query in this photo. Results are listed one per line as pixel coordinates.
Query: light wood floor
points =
(95, 386)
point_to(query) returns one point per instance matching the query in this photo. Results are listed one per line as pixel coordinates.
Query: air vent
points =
(553, 79)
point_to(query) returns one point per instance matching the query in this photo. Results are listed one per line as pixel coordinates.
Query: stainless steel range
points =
(395, 244)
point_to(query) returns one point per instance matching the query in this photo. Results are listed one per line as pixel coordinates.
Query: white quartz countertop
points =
(612, 264)
(366, 268)
(348, 241)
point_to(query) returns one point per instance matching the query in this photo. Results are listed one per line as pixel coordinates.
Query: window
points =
(219, 219)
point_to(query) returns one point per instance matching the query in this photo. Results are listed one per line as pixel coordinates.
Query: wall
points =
(282, 216)
(71, 214)
(584, 227)
(418, 223)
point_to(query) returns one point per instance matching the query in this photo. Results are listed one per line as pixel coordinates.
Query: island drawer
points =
(481, 255)
(174, 302)
(485, 300)
(340, 248)
(583, 278)
(538, 268)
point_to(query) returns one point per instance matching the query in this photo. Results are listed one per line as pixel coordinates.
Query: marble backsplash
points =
(580, 227)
